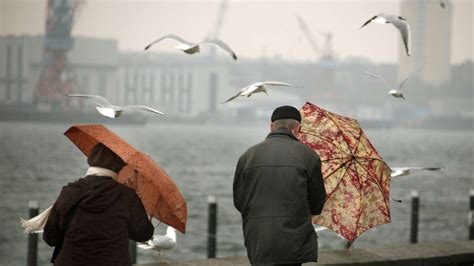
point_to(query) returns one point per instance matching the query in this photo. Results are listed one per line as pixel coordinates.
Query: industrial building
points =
(430, 40)
(178, 84)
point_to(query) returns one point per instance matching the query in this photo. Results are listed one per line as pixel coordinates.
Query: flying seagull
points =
(161, 243)
(399, 22)
(395, 92)
(192, 48)
(109, 110)
(401, 171)
(258, 87)
(442, 4)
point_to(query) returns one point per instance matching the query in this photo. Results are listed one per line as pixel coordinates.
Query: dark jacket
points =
(109, 214)
(278, 185)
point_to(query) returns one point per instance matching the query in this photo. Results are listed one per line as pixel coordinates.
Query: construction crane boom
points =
(326, 52)
(309, 36)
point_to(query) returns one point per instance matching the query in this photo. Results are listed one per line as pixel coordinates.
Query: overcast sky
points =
(251, 28)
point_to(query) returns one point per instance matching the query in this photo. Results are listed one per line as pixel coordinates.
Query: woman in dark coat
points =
(106, 214)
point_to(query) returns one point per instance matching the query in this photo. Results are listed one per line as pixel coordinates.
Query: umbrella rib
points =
(367, 159)
(376, 182)
(342, 132)
(327, 141)
(360, 211)
(330, 194)
(358, 141)
(339, 167)
(339, 158)
(355, 157)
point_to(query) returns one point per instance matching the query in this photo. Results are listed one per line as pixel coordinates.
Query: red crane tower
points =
(56, 78)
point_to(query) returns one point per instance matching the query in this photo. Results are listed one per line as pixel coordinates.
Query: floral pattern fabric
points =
(356, 178)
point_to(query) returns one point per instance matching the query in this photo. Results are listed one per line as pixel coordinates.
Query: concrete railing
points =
(440, 253)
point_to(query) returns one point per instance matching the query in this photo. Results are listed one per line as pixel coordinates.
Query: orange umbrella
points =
(356, 178)
(158, 192)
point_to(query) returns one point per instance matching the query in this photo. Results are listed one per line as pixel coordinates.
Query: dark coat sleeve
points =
(140, 228)
(51, 234)
(238, 185)
(316, 190)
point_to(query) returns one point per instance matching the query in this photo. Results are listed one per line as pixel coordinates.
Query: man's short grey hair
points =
(286, 123)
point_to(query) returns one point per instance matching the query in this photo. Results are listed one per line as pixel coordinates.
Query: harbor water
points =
(36, 160)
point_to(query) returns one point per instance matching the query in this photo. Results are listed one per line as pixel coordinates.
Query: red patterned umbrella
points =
(158, 192)
(356, 178)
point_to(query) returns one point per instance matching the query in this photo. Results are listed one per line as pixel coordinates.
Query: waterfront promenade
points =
(438, 253)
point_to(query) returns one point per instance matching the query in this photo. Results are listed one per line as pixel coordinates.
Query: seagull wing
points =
(99, 100)
(319, 228)
(171, 37)
(222, 45)
(143, 108)
(416, 168)
(163, 242)
(277, 83)
(144, 246)
(367, 22)
(378, 77)
(404, 29)
(401, 171)
(409, 77)
(235, 96)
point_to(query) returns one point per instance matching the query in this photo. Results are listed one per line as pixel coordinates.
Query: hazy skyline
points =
(251, 28)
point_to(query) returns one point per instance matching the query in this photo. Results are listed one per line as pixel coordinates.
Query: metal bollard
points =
(348, 244)
(471, 214)
(212, 227)
(132, 246)
(415, 209)
(32, 255)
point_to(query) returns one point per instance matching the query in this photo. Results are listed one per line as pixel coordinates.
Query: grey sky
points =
(251, 28)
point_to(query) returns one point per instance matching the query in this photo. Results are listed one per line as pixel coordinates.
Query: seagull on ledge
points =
(161, 243)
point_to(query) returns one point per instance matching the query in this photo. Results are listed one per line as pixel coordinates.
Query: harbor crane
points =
(56, 79)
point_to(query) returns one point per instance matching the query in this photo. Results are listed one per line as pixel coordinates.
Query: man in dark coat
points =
(107, 216)
(277, 186)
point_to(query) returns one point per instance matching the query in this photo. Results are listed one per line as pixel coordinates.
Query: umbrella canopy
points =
(158, 192)
(355, 176)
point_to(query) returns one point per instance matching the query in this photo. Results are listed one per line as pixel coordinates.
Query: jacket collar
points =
(282, 132)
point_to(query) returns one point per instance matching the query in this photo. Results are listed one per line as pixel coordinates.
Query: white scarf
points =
(37, 223)
(101, 172)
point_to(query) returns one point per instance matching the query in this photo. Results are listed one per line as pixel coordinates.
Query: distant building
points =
(181, 85)
(177, 84)
(430, 40)
(92, 67)
(19, 64)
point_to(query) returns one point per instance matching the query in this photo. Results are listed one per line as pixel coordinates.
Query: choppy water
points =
(36, 160)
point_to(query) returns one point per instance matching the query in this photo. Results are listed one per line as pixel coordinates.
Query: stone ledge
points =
(440, 253)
